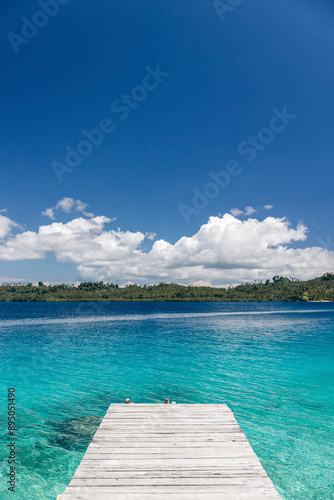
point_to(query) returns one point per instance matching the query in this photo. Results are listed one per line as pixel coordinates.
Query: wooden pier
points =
(170, 452)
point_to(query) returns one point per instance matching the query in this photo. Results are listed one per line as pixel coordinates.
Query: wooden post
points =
(127, 401)
(166, 401)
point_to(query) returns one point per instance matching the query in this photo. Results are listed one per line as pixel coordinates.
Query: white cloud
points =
(268, 207)
(224, 250)
(235, 212)
(249, 211)
(67, 205)
(6, 226)
(49, 212)
(150, 236)
(201, 283)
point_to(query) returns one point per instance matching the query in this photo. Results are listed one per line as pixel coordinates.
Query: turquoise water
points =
(272, 363)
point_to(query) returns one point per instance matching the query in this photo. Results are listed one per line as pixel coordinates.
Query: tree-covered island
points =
(277, 289)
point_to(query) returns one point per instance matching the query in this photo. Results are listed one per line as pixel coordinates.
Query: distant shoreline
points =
(279, 289)
(156, 300)
(159, 300)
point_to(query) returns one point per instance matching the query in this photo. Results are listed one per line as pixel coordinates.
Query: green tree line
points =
(277, 289)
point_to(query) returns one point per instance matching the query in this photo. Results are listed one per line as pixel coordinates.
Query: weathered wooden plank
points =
(208, 451)
(167, 433)
(206, 410)
(206, 488)
(157, 421)
(84, 494)
(157, 406)
(175, 481)
(158, 409)
(227, 471)
(167, 441)
(167, 462)
(155, 427)
(170, 420)
(169, 414)
(183, 455)
(172, 452)
(169, 429)
(200, 451)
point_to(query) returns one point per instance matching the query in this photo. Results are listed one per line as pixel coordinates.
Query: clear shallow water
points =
(272, 363)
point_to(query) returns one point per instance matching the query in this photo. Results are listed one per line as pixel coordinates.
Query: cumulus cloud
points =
(67, 205)
(80, 240)
(247, 211)
(150, 236)
(268, 207)
(49, 212)
(6, 225)
(235, 212)
(224, 250)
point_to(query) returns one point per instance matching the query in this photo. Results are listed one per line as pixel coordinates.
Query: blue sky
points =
(223, 79)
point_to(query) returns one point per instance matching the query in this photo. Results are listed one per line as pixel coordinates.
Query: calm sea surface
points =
(272, 363)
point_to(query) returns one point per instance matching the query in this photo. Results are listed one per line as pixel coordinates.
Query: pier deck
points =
(170, 452)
